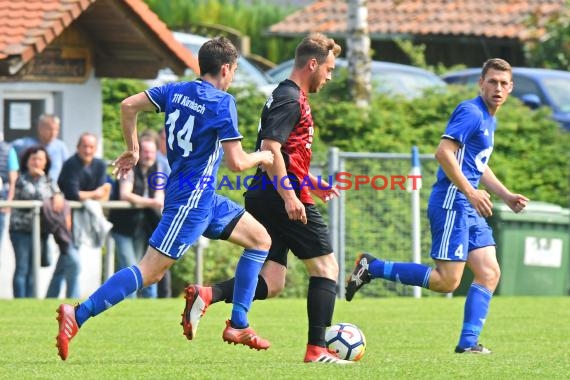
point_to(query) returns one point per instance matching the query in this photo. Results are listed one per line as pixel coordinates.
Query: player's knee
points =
(274, 287)
(489, 277)
(444, 284)
(261, 240)
(324, 266)
(264, 242)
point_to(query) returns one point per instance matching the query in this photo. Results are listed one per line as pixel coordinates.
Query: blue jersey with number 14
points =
(198, 118)
(473, 128)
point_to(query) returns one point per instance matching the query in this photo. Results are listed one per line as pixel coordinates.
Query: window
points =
(21, 113)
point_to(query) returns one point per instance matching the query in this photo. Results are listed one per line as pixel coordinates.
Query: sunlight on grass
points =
(407, 339)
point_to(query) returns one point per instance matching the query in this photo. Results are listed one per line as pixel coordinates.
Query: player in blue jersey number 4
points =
(457, 210)
(201, 126)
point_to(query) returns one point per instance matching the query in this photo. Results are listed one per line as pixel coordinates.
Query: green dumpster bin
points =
(533, 250)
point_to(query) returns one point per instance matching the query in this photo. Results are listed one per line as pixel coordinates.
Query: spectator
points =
(48, 130)
(9, 167)
(132, 228)
(82, 177)
(32, 184)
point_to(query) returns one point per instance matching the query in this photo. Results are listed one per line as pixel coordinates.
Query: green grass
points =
(407, 339)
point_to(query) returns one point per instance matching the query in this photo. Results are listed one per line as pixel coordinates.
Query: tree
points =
(358, 53)
(550, 45)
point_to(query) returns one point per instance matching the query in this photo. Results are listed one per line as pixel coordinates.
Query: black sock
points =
(320, 307)
(224, 291)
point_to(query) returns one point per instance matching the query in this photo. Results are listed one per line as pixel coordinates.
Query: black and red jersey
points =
(286, 118)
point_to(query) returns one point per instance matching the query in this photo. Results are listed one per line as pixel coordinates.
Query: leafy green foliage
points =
(115, 91)
(251, 18)
(552, 49)
(526, 141)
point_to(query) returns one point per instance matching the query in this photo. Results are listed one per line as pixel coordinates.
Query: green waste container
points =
(533, 250)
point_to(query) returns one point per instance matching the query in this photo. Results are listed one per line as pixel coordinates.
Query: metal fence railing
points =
(390, 223)
(35, 206)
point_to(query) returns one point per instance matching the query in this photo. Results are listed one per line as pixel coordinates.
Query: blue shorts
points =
(181, 227)
(455, 233)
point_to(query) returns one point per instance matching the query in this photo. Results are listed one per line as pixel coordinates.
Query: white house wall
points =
(80, 106)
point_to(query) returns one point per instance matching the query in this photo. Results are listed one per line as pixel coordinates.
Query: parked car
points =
(246, 73)
(534, 87)
(388, 78)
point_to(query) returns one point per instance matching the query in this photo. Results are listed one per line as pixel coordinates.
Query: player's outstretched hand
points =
(125, 163)
(516, 202)
(325, 192)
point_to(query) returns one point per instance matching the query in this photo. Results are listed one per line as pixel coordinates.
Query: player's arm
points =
(293, 205)
(237, 160)
(130, 107)
(516, 202)
(445, 155)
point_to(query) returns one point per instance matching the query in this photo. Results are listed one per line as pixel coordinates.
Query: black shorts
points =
(306, 241)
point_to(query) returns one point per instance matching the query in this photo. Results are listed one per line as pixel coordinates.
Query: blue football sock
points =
(113, 291)
(405, 273)
(476, 309)
(247, 269)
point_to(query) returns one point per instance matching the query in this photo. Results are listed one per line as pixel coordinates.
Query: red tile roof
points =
(491, 19)
(27, 27)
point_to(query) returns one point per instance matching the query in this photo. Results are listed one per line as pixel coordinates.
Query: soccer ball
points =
(346, 341)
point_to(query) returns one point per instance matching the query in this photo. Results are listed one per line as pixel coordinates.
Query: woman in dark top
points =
(33, 184)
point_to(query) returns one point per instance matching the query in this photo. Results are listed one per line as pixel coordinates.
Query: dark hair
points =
(214, 54)
(26, 156)
(315, 45)
(496, 64)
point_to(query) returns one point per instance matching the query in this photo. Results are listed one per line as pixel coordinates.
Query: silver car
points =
(387, 78)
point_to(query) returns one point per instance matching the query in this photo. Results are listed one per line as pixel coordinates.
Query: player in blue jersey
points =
(201, 125)
(457, 210)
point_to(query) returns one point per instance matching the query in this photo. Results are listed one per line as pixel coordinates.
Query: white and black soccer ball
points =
(346, 341)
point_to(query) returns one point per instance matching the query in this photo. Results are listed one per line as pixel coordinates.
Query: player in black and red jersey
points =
(281, 199)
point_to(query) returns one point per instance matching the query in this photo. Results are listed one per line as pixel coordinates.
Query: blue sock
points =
(476, 309)
(405, 273)
(247, 269)
(113, 291)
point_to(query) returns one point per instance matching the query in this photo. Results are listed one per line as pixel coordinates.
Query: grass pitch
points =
(406, 339)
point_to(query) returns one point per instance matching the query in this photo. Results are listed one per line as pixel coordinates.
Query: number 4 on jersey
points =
(184, 134)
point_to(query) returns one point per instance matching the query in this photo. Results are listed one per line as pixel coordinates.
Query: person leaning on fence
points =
(132, 228)
(457, 210)
(83, 177)
(201, 119)
(286, 208)
(33, 183)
